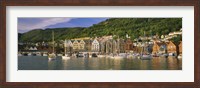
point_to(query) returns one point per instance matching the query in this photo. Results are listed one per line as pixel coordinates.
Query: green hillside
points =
(135, 27)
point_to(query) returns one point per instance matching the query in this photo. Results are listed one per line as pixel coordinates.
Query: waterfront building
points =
(95, 45)
(159, 47)
(128, 45)
(172, 48)
(102, 46)
(68, 45)
(81, 45)
(88, 44)
(180, 48)
(115, 46)
(31, 48)
(75, 45)
(109, 46)
(121, 46)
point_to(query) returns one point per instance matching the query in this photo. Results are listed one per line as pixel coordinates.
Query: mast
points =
(65, 46)
(118, 45)
(53, 40)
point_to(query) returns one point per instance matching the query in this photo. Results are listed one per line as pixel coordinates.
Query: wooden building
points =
(172, 48)
(159, 47)
(128, 45)
(180, 47)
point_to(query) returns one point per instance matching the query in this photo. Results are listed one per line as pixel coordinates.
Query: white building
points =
(95, 45)
(68, 43)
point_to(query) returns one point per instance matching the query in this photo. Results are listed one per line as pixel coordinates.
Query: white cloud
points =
(40, 23)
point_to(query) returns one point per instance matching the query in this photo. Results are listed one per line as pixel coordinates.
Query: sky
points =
(27, 24)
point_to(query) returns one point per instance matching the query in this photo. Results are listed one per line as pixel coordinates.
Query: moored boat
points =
(65, 57)
(180, 56)
(101, 56)
(145, 57)
(44, 54)
(53, 55)
(19, 54)
(164, 55)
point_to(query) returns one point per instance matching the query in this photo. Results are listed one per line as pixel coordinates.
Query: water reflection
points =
(42, 63)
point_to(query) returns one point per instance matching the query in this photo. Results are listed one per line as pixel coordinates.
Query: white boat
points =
(172, 54)
(19, 54)
(101, 56)
(38, 54)
(180, 56)
(29, 54)
(44, 54)
(145, 57)
(119, 56)
(59, 55)
(53, 55)
(130, 56)
(65, 57)
(116, 57)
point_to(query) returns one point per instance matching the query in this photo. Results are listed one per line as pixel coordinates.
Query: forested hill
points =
(135, 27)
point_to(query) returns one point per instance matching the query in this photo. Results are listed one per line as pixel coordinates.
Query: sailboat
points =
(119, 55)
(52, 56)
(144, 56)
(65, 56)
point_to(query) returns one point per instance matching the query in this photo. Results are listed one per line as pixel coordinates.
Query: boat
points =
(79, 55)
(164, 55)
(29, 54)
(180, 56)
(130, 56)
(53, 55)
(19, 54)
(25, 54)
(101, 56)
(118, 56)
(145, 57)
(94, 55)
(59, 55)
(44, 54)
(65, 56)
(38, 54)
(144, 54)
(172, 54)
(155, 55)
(34, 54)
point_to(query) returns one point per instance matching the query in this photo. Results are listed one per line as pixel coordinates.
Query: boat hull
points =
(65, 57)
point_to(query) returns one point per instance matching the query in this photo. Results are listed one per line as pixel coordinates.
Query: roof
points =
(160, 43)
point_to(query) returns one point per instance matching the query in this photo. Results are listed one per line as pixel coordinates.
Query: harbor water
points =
(42, 63)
